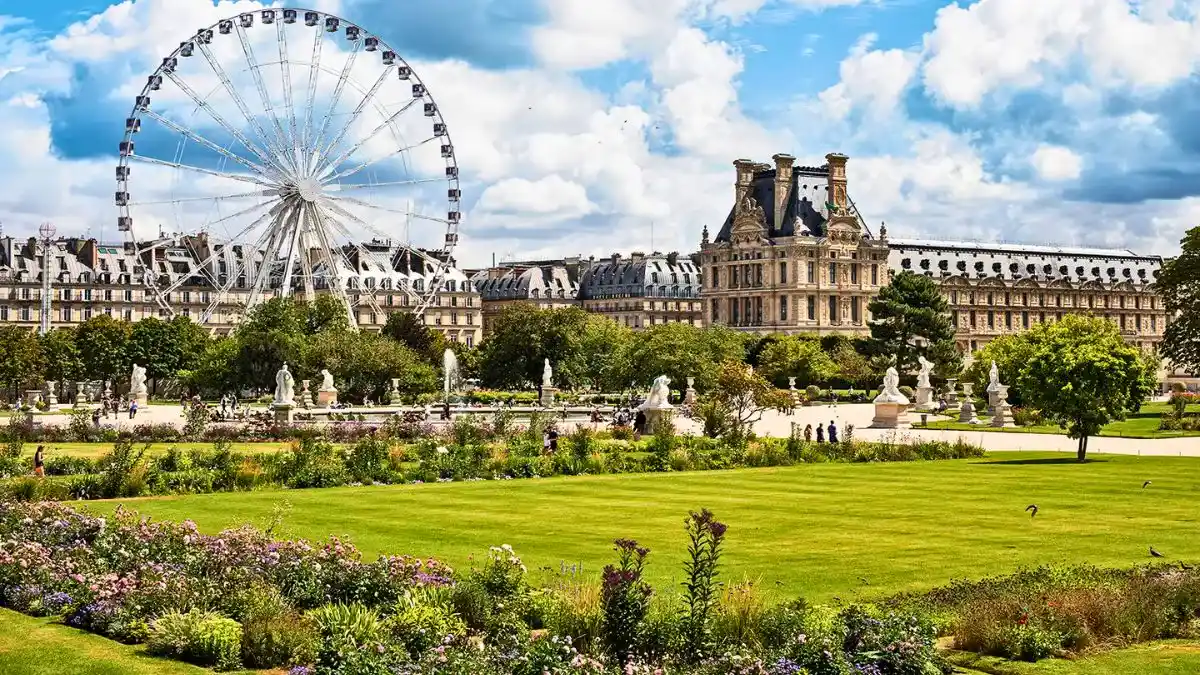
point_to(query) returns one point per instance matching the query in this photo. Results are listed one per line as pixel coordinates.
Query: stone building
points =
(995, 289)
(546, 283)
(644, 290)
(794, 255)
(90, 278)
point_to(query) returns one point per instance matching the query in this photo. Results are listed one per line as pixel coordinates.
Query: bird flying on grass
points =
(1146, 483)
(1033, 509)
(1156, 554)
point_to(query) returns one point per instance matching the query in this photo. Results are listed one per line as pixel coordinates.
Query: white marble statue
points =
(449, 371)
(891, 389)
(994, 378)
(284, 387)
(660, 394)
(547, 375)
(326, 380)
(926, 369)
(137, 381)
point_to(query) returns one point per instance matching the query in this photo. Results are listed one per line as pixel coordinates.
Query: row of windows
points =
(751, 276)
(749, 311)
(992, 299)
(993, 318)
(1031, 269)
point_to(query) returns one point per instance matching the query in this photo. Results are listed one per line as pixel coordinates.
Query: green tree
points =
(364, 364)
(854, 368)
(193, 341)
(523, 336)
(1082, 375)
(273, 333)
(152, 345)
(910, 318)
(1179, 285)
(798, 357)
(680, 351)
(740, 396)
(1011, 353)
(409, 330)
(22, 363)
(214, 371)
(63, 364)
(102, 342)
(325, 313)
(601, 357)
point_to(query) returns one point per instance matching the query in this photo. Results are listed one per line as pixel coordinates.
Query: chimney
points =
(637, 256)
(745, 176)
(837, 182)
(783, 185)
(616, 258)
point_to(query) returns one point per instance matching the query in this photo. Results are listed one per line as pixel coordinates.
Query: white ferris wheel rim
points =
(306, 210)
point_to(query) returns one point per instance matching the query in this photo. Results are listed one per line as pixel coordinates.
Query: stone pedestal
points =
(283, 412)
(993, 401)
(966, 414)
(925, 399)
(548, 396)
(393, 397)
(305, 395)
(1001, 411)
(81, 396)
(889, 415)
(327, 398)
(51, 395)
(689, 394)
(32, 396)
(657, 416)
(951, 392)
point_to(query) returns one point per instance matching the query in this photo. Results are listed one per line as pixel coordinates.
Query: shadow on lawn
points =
(1041, 461)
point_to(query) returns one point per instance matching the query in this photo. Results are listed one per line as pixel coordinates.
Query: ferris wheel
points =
(281, 152)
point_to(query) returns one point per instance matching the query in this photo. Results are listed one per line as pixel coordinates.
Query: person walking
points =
(552, 436)
(39, 461)
(808, 433)
(820, 432)
(133, 408)
(96, 418)
(832, 432)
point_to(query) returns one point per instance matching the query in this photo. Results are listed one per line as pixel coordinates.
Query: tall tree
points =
(1179, 285)
(21, 359)
(1011, 353)
(1082, 375)
(680, 351)
(853, 367)
(63, 364)
(273, 333)
(409, 330)
(152, 346)
(325, 313)
(193, 340)
(102, 344)
(910, 318)
(523, 337)
(740, 396)
(601, 357)
(363, 364)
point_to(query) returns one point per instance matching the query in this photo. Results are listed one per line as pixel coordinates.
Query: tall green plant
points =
(701, 589)
(625, 599)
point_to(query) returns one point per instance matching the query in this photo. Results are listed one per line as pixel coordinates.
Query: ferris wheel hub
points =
(309, 189)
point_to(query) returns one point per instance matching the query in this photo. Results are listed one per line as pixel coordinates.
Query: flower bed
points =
(465, 451)
(240, 598)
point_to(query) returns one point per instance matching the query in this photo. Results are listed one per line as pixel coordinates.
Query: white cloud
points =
(1056, 163)
(551, 195)
(870, 79)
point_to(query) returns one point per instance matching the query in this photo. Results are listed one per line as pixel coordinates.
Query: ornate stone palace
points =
(994, 289)
(794, 254)
(90, 278)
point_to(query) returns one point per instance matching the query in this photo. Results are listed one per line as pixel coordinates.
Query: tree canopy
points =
(1082, 375)
(798, 357)
(910, 318)
(1179, 285)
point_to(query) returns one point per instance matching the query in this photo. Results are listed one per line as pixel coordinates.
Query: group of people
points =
(822, 431)
(114, 405)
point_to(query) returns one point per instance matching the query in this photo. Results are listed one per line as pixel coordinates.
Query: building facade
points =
(549, 284)
(90, 278)
(794, 255)
(997, 289)
(642, 291)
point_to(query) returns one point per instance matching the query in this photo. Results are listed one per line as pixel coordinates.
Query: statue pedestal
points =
(1002, 416)
(81, 395)
(32, 396)
(689, 396)
(51, 397)
(951, 392)
(993, 400)
(327, 398)
(547, 396)
(305, 395)
(966, 414)
(657, 416)
(889, 415)
(283, 412)
(142, 399)
(925, 399)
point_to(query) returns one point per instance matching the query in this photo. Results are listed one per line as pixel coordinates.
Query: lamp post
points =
(46, 232)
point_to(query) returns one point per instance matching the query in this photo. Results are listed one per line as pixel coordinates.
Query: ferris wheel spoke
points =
(362, 105)
(314, 68)
(256, 72)
(366, 255)
(333, 164)
(371, 162)
(336, 188)
(217, 251)
(306, 246)
(229, 128)
(369, 205)
(188, 167)
(214, 198)
(333, 274)
(241, 105)
(288, 103)
(285, 286)
(270, 174)
(285, 220)
(315, 158)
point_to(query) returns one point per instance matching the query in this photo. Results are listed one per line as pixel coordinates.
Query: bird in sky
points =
(1146, 483)
(1033, 508)
(1156, 554)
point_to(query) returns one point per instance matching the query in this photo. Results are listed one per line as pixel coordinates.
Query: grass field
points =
(1168, 658)
(820, 530)
(1142, 424)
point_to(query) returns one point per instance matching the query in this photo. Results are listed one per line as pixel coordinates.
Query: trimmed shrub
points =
(202, 638)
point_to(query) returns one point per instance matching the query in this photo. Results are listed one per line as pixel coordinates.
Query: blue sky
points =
(579, 124)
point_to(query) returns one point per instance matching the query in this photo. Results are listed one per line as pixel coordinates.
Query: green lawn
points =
(94, 450)
(1167, 658)
(30, 646)
(1142, 424)
(820, 530)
